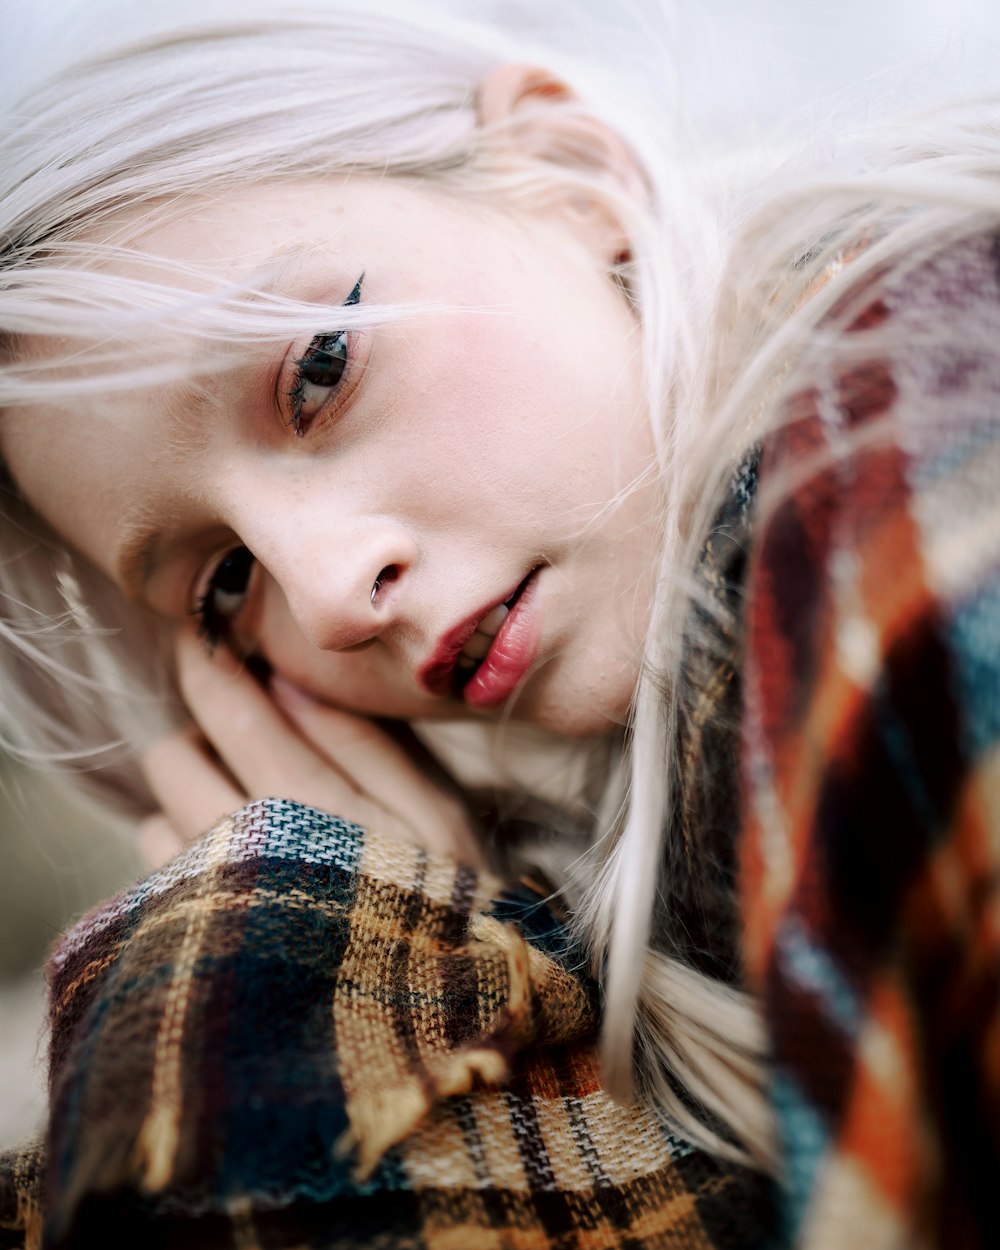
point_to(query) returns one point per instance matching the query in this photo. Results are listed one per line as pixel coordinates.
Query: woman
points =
(435, 386)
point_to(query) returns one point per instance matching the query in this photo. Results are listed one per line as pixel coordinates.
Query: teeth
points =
(491, 623)
(477, 646)
(481, 641)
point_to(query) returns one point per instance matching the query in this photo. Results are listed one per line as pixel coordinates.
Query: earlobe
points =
(536, 115)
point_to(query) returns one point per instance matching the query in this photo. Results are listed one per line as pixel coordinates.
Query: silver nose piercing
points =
(375, 590)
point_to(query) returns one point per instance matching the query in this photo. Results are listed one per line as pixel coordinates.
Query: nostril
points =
(386, 575)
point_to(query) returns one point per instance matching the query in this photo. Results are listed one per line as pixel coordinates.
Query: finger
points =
(264, 751)
(355, 743)
(382, 770)
(190, 788)
(270, 753)
(157, 840)
(255, 741)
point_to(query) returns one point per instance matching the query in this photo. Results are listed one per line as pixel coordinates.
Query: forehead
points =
(241, 227)
(70, 460)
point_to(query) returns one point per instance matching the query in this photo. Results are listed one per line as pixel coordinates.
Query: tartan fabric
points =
(295, 1036)
(21, 1174)
(696, 916)
(871, 764)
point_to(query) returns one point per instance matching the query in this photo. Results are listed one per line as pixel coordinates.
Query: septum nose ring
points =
(375, 589)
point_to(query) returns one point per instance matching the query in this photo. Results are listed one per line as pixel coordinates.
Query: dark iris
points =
(325, 363)
(233, 572)
(224, 598)
(322, 368)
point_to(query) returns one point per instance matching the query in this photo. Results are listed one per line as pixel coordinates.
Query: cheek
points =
(356, 681)
(345, 681)
(492, 423)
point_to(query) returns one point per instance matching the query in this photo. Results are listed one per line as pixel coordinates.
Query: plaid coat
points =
(301, 1035)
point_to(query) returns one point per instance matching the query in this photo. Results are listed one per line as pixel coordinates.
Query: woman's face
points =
(455, 476)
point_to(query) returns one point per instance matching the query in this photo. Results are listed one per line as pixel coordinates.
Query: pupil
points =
(325, 365)
(233, 572)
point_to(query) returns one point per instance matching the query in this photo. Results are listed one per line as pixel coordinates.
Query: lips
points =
(476, 648)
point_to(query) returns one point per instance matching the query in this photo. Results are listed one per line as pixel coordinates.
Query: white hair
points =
(147, 104)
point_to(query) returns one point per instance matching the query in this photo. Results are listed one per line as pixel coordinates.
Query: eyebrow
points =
(138, 555)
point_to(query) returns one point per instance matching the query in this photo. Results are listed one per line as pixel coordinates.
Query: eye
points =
(225, 595)
(320, 371)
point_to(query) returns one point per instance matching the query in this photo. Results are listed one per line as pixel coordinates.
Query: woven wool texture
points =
(871, 766)
(296, 1035)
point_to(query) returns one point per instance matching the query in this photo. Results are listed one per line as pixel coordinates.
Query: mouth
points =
(475, 661)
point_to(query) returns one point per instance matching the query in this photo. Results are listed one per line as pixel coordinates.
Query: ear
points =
(535, 115)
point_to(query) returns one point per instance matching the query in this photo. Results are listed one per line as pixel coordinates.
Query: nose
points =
(344, 584)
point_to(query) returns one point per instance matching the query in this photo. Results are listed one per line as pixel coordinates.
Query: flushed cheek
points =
(360, 681)
(351, 681)
(498, 389)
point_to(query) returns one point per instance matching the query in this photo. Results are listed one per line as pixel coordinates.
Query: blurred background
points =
(746, 67)
(55, 863)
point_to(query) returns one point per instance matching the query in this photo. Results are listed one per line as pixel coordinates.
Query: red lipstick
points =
(511, 655)
(505, 663)
(436, 674)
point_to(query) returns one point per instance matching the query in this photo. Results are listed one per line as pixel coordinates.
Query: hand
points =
(282, 743)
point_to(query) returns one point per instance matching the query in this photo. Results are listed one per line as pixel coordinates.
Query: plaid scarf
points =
(871, 768)
(301, 1034)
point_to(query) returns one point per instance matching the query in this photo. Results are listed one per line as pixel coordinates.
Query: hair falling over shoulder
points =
(735, 264)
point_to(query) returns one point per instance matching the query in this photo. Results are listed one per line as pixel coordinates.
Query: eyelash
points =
(334, 348)
(215, 624)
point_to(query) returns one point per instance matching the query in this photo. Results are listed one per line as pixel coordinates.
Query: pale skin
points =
(287, 744)
(461, 454)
